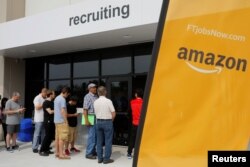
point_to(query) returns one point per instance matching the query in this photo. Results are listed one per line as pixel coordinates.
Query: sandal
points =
(63, 157)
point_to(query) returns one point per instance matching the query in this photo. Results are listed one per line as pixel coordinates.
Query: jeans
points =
(39, 134)
(132, 139)
(104, 130)
(91, 142)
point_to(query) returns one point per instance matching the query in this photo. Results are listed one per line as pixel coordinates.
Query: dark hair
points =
(73, 98)
(3, 102)
(139, 92)
(65, 90)
(50, 92)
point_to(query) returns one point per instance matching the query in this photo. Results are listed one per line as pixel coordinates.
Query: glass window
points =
(58, 85)
(142, 63)
(86, 69)
(116, 66)
(57, 71)
(81, 89)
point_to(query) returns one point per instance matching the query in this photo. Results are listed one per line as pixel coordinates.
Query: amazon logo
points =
(217, 61)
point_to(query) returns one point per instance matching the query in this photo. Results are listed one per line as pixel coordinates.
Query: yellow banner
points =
(200, 95)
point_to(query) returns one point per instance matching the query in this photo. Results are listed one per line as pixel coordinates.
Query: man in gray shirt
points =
(12, 110)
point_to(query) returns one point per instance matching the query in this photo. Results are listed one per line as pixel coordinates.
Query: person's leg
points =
(73, 137)
(70, 133)
(45, 141)
(134, 136)
(63, 137)
(56, 141)
(8, 137)
(14, 137)
(130, 143)
(108, 133)
(10, 131)
(37, 135)
(4, 132)
(91, 142)
(100, 138)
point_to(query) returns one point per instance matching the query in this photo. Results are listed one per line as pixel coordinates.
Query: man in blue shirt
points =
(61, 122)
(88, 108)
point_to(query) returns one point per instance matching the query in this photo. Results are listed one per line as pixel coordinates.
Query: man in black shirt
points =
(48, 108)
(72, 121)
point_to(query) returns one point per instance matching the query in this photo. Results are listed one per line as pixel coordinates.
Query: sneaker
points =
(129, 156)
(16, 147)
(67, 152)
(49, 152)
(9, 149)
(75, 150)
(43, 154)
(35, 151)
(108, 161)
(90, 156)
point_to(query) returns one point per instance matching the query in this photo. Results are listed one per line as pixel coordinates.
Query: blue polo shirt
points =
(59, 104)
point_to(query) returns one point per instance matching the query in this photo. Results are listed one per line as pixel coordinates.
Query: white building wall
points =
(38, 6)
(1, 75)
(14, 77)
(3, 10)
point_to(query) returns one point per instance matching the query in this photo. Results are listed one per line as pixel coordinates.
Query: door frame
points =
(109, 80)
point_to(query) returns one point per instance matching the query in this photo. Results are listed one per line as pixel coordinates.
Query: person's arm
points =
(86, 105)
(113, 115)
(16, 111)
(85, 114)
(112, 110)
(50, 111)
(37, 104)
(64, 114)
(72, 115)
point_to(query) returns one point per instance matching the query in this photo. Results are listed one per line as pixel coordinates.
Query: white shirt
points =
(103, 108)
(38, 115)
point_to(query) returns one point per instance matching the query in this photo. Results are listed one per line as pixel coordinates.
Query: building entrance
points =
(119, 91)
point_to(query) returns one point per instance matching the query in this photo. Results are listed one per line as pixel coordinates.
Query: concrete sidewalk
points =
(26, 158)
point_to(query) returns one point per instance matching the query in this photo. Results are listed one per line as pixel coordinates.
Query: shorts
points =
(13, 129)
(72, 134)
(62, 132)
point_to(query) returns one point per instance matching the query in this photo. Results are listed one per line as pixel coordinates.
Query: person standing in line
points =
(105, 115)
(72, 121)
(39, 131)
(49, 126)
(136, 106)
(61, 122)
(13, 111)
(88, 108)
(3, 103)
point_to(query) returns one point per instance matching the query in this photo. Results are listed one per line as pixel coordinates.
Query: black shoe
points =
(35, 150)
(49, 152)
(100, 161)
(95, 154)
(16, 147)
(90, 157)
(9, 149)
(108, 161)
(43, 154)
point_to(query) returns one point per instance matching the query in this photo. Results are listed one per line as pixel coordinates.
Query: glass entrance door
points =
(119, 91)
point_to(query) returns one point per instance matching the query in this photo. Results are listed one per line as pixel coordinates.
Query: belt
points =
(104, 119)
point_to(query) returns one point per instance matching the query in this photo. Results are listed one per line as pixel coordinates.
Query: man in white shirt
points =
(39, 132)
(105, 114)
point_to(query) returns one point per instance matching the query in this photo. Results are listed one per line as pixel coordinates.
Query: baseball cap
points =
(91, 85)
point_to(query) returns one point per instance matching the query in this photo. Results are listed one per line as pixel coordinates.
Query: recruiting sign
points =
(198, 91)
